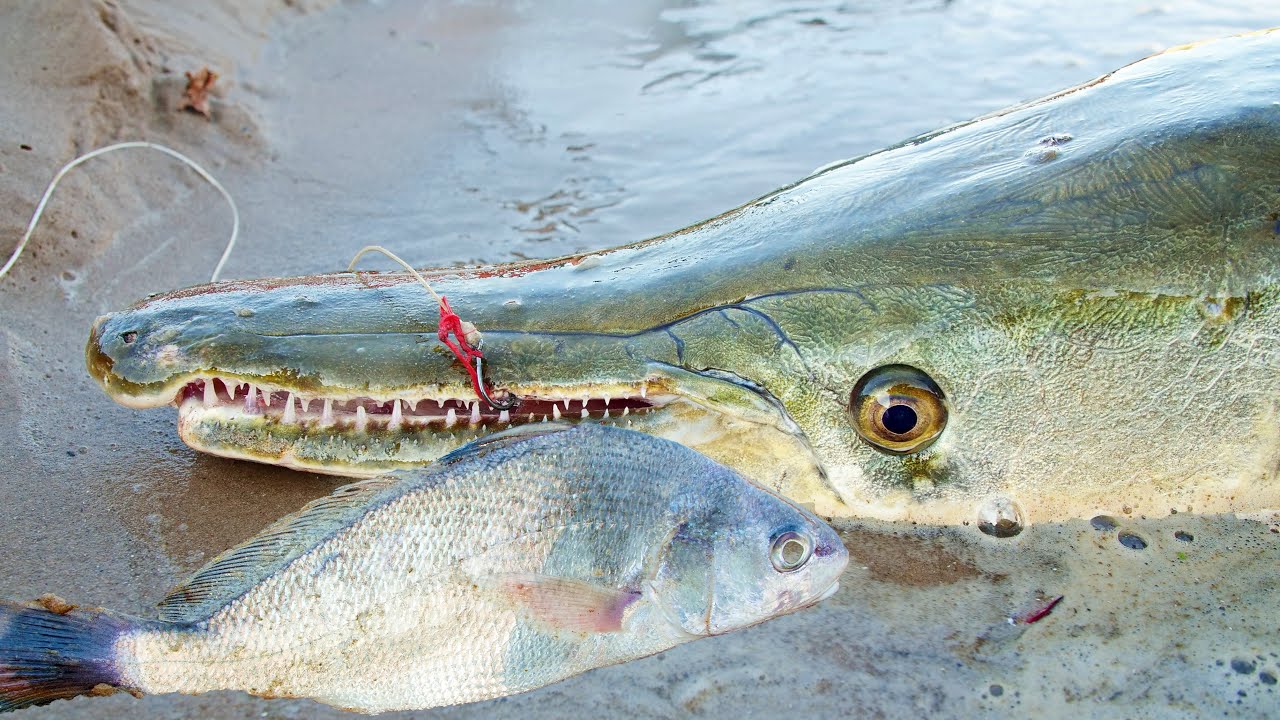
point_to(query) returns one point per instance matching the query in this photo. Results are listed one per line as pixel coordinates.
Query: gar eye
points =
(790, 551)
(129, 337)
(898, 409)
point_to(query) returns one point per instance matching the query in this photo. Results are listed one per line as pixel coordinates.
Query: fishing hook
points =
(512, 399)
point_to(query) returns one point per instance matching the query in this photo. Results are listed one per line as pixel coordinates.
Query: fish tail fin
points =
(50, 650)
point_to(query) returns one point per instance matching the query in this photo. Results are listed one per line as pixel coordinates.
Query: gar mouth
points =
(362, 431)
(231, 398)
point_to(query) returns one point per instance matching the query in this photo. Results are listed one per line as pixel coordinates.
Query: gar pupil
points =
(899, 419)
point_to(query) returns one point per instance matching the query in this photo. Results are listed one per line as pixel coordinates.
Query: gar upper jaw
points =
(325, 394)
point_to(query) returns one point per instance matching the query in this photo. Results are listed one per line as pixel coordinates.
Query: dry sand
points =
(326, 147)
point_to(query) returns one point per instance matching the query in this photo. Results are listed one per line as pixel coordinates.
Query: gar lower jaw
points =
(229, 399)
(365, 434)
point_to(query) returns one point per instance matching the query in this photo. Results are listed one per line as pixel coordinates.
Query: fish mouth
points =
(339, 431)
(230, 398)
(825, 594)
(250, 420)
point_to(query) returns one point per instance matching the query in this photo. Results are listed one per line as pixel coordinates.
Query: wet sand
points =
(461, 133)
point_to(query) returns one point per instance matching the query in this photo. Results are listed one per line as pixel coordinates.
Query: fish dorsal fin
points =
(505, 438)
(235, 571)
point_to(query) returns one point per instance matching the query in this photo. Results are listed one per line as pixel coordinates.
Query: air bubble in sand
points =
(1104, 522)
(1000, 517)
(1132, 540)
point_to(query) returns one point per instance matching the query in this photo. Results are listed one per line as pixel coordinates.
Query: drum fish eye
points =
(790, 551)
(898, 409)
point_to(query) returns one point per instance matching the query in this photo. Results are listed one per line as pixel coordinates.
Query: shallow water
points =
(466, 132)
(469, 132)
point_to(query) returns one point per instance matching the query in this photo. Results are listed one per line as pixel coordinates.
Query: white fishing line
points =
(466, 338)
(35, 218)
(379, 249)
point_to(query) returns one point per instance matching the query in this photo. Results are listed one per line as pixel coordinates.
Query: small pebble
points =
(1243, 666)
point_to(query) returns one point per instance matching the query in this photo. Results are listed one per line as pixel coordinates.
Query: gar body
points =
(1090, 281)
(511, 564)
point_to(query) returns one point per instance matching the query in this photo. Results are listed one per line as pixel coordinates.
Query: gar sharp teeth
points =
(251, 399)
(505, 417)
(326, 416)
(475, 413)
(362, 419)
(606, 414)
(304, 403)
(584, 411)
(544, 418)
(266, 397)
(440, 402)
(643, 390)
(531, 417)
(450, 418)
(625, 411)
(208, 394)
(555, 410)
(288, 408)
(396, 416)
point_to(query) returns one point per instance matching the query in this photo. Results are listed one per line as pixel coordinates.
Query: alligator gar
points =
(1065, 306)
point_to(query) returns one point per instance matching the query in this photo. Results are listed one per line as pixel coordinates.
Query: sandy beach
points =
(460, 133)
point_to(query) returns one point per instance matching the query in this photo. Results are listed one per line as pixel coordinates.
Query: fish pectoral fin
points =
(565, 603)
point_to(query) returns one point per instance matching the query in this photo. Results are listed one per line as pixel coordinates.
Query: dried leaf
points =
(197, 94)
(55, 604)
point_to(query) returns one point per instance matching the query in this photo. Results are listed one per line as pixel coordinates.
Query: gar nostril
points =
(129, 337)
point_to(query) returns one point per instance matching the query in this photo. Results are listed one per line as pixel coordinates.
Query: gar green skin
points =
(1090, 278)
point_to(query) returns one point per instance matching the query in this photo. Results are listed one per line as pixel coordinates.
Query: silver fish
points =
(515, 562)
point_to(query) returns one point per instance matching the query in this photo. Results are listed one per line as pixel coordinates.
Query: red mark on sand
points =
(1038, 614)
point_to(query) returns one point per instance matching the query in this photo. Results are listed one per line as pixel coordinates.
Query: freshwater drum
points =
(515, 562)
